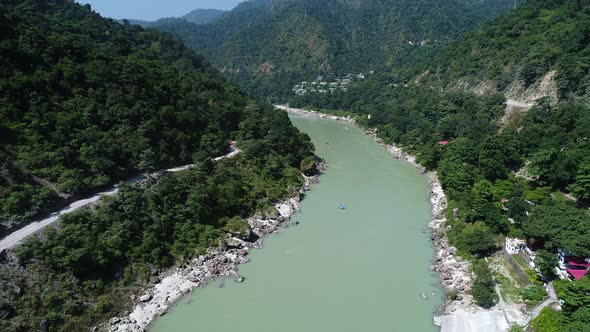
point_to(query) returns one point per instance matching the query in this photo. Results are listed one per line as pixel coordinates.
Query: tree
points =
(477, 239)
(575, 297)
(549, 321)
(560, 226)
(581, 187)
(546, 261)
(147, 161)
(308, 166)
(483, 286)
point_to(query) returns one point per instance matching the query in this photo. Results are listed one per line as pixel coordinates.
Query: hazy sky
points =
(154, 9)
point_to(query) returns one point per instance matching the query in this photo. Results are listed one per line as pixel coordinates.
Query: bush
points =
(451, 296)
(483, 287)
(533, 293)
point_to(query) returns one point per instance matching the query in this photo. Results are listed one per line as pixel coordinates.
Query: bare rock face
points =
(145, 297)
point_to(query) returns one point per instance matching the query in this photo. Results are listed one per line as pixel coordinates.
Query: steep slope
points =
(541, 49)
(267, 46)
(86, 102)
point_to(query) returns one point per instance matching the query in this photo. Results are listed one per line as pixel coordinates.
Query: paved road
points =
(18, 236)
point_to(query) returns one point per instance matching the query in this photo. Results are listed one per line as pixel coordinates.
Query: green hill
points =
(268, 46)
(87, 102)
(542, 49)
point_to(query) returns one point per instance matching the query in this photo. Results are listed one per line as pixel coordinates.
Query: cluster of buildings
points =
(569, 267)
(323, 86)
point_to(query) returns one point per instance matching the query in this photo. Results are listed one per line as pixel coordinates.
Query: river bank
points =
(223, 261)
(453, 271)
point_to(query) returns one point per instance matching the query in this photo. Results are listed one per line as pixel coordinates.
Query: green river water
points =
(358, 269)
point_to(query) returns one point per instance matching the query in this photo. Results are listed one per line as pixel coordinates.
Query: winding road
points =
(19, 235)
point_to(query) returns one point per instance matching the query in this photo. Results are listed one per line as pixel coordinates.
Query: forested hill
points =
(268, 46)
(197, 16)
(86, 102)
(541, 49)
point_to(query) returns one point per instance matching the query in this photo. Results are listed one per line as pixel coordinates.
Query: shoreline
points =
(222, 261)
(453, 272)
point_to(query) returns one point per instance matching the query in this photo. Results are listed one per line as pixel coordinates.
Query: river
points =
(363, 268)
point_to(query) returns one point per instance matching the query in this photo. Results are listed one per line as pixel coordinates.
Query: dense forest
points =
(87, 102)
(268, 46)
(516, 51)
(525, 176)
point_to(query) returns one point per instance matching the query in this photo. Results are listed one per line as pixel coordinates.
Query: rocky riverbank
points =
(454, 272)
(222, 261)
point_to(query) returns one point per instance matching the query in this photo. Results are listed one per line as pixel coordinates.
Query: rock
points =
(457, 265)
(234, 242)
(133, 298)
(114, 320)
(452, 250)
(146, 297)
(44, 326)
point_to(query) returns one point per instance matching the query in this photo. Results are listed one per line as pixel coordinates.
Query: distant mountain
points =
(268, 45)
(197, 16)
(541, 49)
(203, 16)
(141, 23)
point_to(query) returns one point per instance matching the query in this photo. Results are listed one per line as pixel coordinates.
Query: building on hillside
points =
(572, 267)
(514, 245)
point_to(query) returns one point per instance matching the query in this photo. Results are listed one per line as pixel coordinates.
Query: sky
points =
(151, 10)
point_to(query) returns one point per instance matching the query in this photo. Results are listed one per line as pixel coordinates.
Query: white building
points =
(514, 245)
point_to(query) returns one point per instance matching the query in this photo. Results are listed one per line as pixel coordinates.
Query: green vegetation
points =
(575, 314)
(510, 290)
(87, 102)
(541, 36)
(480, 166)
(549, 321)
(533, 294)
(268, 46)
(546, 262)
(483, 286)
